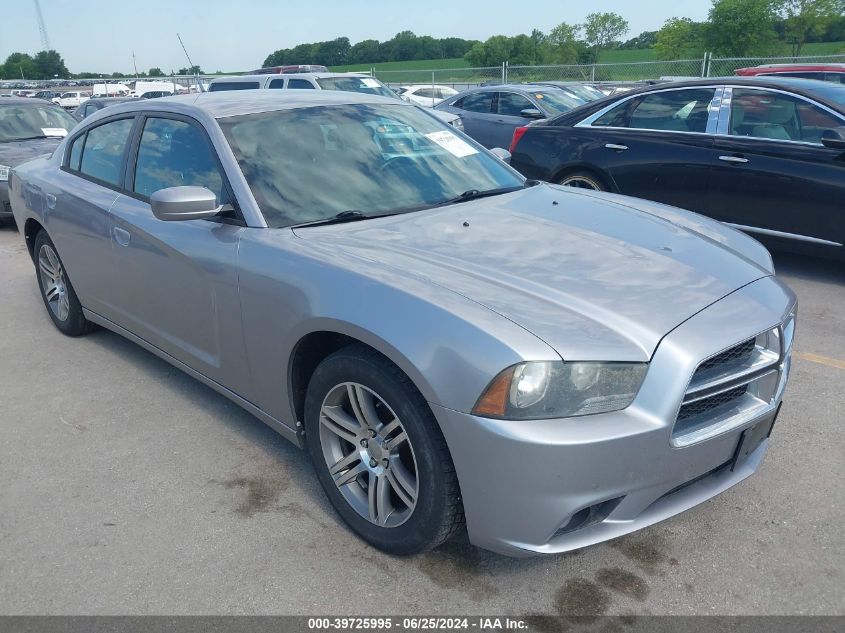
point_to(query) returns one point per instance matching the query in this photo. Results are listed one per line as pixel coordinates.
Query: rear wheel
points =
(379, 453)
(583, 180)
(56, 290)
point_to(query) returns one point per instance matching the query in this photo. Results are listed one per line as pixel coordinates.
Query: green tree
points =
(49, 64)
(602, 29)
(193, 70)
(680, 38)
(20, 65)
(155, 71)
(366, 52)
(562, 45)
(804, 20)
(741, 28)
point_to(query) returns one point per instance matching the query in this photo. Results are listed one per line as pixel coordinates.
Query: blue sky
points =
(232, 35)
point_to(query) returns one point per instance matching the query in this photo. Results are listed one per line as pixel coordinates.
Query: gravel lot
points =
(129, 488)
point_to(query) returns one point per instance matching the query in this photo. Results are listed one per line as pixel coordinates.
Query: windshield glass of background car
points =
(27, 121)
(558, 102)
(365, 85)
(310, 164)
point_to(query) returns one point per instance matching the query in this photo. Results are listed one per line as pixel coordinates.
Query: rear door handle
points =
(739, 160)
(121, 236)
(618, 148)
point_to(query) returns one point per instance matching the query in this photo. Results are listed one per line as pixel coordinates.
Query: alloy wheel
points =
(53, 282)
(369, 454)
(580, 182)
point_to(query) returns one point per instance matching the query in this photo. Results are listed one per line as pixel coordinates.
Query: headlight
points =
(4, 172)
(543, 390)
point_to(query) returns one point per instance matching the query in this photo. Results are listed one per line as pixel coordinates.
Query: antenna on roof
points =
(191, 64)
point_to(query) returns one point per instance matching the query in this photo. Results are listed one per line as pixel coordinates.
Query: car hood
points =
(592, 277)
(14, 153)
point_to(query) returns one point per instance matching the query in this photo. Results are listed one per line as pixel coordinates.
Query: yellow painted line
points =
(821, 360)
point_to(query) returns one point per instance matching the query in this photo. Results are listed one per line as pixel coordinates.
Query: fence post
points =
(432, 80)
(593, 72)
(704, 65)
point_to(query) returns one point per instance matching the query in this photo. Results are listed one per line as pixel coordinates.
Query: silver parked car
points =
(448, 341)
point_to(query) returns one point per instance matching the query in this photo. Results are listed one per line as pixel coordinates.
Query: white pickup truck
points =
(72, 100)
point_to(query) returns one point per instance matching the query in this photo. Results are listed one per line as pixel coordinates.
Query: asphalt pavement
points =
(127, 487)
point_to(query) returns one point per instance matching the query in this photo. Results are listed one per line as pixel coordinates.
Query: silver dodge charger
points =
(454, 346)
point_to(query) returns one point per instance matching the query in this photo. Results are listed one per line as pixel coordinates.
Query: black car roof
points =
(804, 87)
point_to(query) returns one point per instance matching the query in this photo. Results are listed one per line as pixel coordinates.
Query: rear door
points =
(476, 110)
(771, 172)
(178, 286)
(657, 146)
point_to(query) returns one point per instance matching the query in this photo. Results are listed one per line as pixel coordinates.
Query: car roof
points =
(25, 101)
(228, 103)
(265, 76)
(110, 99)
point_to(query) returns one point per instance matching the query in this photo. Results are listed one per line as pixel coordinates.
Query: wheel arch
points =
(602, 174)
(31, 228)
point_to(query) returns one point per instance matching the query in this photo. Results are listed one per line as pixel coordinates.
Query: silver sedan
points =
(455, 347)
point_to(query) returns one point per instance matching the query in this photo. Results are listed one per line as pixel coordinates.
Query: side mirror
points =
(502, 154)
(184, 203)
(532, 113)
(834, 138)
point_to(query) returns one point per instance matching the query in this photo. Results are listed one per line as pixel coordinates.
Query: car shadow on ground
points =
(809, 268)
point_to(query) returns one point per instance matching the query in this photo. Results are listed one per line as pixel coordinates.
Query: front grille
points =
(729, 388)
(700, 407)
(736, 354)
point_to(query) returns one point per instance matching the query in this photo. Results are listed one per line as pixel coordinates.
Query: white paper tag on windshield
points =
(370, 83)
(53, 131)
(452, 144)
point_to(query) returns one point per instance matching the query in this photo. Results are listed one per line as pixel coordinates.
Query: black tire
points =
(74, 323)
(438, 513)
(583, 180)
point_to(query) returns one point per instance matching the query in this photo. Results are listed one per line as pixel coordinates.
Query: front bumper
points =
(525, 483)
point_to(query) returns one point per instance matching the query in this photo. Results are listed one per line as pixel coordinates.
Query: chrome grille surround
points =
(734, 386)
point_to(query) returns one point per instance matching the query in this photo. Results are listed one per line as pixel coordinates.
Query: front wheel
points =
(379, 453)
(583, 180)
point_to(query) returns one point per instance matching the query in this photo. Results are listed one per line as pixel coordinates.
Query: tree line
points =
(403, 47)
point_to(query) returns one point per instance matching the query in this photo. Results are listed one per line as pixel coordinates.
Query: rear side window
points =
(174, 154)
(233, 85)
(671, 111)
(300, 84)
(102, 155)
(476, 102)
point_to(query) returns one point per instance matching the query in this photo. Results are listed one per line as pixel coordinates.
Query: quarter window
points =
(102, 157)
(673, 110)
(476, 102)
(173, 154)
(233, 85)
(300, 84)
(778, 116)
(511, 104)
(277, 84)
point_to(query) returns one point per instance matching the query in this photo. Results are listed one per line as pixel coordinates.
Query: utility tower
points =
(42, 28)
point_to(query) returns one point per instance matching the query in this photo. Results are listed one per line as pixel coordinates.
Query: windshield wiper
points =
(475, 194)
(352, 215)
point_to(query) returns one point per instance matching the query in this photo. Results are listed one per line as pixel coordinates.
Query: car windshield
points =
(311, 164)
(557, 101)
(831, 92)
(18, 122)
(586, 92)
(365, 85)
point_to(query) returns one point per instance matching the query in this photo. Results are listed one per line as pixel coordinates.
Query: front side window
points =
(21, 122)
(309, 164)
(102, 154)
(671, 111)
(511, 104)
(476, 102)
(778, 116)
(174, 154)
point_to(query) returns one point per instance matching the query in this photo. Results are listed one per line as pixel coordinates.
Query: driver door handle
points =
(618, 148)
(739, 160)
